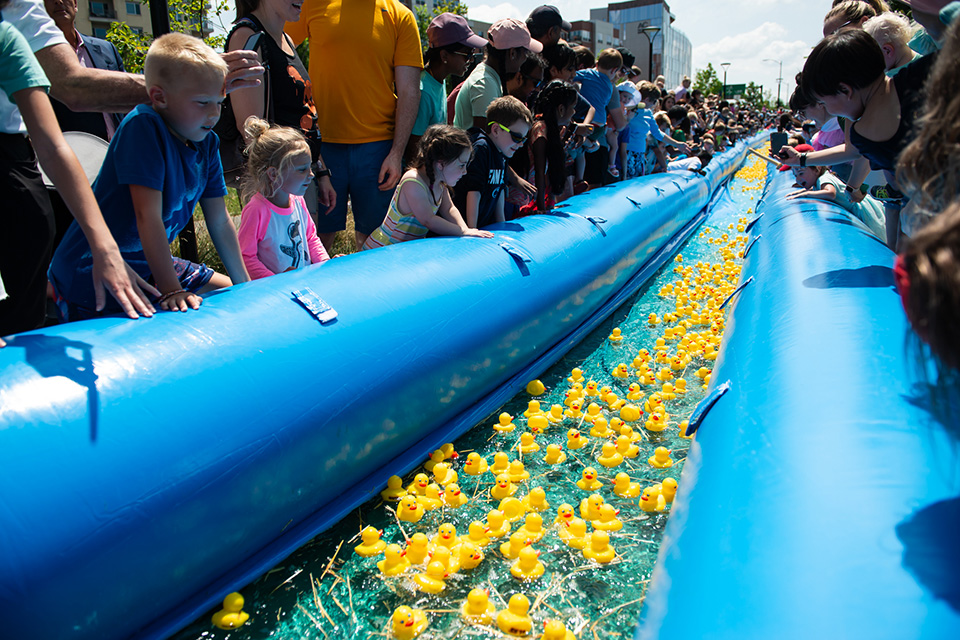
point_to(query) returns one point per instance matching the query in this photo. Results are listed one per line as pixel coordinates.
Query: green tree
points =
(706, 80)
(754, 96)
(424, 16)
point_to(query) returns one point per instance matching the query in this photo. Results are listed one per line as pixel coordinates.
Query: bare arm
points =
(248, 101)
(407, 81)
(473, 208)
(83, 89)
(224, 236)
(827, 192)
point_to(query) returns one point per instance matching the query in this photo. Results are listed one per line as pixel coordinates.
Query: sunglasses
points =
(516, 137)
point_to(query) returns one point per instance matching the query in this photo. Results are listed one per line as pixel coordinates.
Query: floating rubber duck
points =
(661, 458)
(470, 556)
(515, 620)
(591, 389)
(679, 258)
(706, 381)
(443, 474)
(497, 524)
(710, 353)
(504, 423)
(621, 371)
(615, 336)
(232, 616)
(653, 320)
(535, 388)
(516, 472)
(477, 608)
(683, 430)
(593, 412)
(433, 580)
(668, 334)
(600, 428)
(599, 549)
(677, 363)
(608, 520)
(574, 412)
(512, 509)
(665, 375)
(588, 480)
(668, 489)
(511, 548)
(667, 392)
(680, 386)
(575, 440)
(539, 424)
(536, 500)
(654, 402)
(394, 562)
(609, 457)
(555, 454)
(453, 497)
(370, 543)
(633, 436)
(565, 514)
(502, 487)
(533, 409)
(410, 510)
(417, 549)
(419, 485)
(477, 534)
(446, 536)
(655, 422)
(475, 465)
(443, 555)
(435, 458)
(394, 490)
(528, 565)
(574, 533)
(528, 443)
(555, 414)
(702, 372)
(532, 528)
(634, 393)
(576, 376)
(432, 499)
(646, 377)
(407, 623)
(651, 500)
(623, 487)
(556, 630)
(626, 448)
(501, 463)
(613, 401)
(449, 453)
(590, 507)
(616, 424)
(630, 413)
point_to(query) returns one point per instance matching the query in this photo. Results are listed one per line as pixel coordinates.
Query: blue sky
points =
(741, 32)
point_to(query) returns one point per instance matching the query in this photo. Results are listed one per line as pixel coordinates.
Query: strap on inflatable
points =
(518, 257)
(313, 303)
(752, 222)
(735, 292)
(750, 246)
(704, 407)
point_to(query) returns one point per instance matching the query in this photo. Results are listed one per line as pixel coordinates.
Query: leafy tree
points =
(754, 96)
(424, 16)
(706, 80)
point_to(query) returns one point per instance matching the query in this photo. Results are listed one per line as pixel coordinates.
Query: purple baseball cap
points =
(450, 28)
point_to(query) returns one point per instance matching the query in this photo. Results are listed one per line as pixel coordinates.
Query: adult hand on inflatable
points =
(110, 272)
(243, 70)
(477, 233)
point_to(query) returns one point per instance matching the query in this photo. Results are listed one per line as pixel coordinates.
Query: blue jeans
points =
(355, 172)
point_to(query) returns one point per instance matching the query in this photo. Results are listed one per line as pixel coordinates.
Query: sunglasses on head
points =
(516, 137)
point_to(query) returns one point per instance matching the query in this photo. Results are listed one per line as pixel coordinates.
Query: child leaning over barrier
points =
(422, 202)
(162, 161)
(276, 232)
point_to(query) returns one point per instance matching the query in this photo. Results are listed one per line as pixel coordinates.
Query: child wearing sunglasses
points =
(480, 193)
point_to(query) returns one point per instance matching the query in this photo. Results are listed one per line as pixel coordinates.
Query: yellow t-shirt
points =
(354, 47)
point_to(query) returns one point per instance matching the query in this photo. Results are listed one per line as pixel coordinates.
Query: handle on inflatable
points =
(704, 408)
(518, 257)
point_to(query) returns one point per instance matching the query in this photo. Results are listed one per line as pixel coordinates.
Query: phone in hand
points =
(777, 142)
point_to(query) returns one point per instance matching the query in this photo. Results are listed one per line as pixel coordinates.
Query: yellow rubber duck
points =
(609, 457)
(417, 549)
(370, 543)
(410, 510)
(565, 514)
(419, 485)
(630, 413)
(475, 465)
(536, 500)
(569, 397)
(600, 428)
(533, 409)
(528, 443)
(702, 372)
(433, 580)
(706, 382)
(501, 463)
(574, 533)
(407, 623)
(593, 412)
(661, 458)
(555, 414)
(432, 499)
(528, 565)
(710, 353)
(633, 436)
(232, 616)
(576, 376)
(621, 371)
(667, 392)
(555, 454)
(655, 422)
(590, 507)
(516, 472)
(653, 320)
(615, 336)
(623, 487)
(504, 423)
(588, 480)
(435, 457)
(512, 509)
(679, 258)
(477, 534)
(443, 474)
(448, 451)
(443, 555)
(668, 334)
(394, 562)
(502, 487)
(665, 375)
(532, 528)
(613, 401)
(511, 548)
(575, 440)
(477, 608)
(683, 430)
(668, 489)
(591, 389)
(470, 556)
(556, 630)
(497, 524)
(680, 386)
(608, 520)
(394, 490)
(599, 549)
(535, 388)
(574, 412)
(677, 363)
(635, 392)
(646, 377)
(626, 448)
(616, 424)
(446, 536)
(453, 497)
(653, 403)
(515, 620)
(651, 500)
(539, 424)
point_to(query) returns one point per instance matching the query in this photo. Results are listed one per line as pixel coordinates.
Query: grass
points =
(344, 243)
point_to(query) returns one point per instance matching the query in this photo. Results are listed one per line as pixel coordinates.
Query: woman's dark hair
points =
(850, 56)
(440, 143)
(432, 55)
(800, 99)
(556, 94)
(245, 8)
(560, 56)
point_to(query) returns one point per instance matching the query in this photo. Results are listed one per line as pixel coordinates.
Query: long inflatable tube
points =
(819, 498)
(152, 466)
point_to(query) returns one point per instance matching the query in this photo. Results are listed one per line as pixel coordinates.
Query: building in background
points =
(95, 18)
(596, 35)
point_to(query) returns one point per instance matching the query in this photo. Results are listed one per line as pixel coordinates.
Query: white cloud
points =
(492, 13)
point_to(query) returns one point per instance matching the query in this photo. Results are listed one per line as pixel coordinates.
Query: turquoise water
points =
(325, 590)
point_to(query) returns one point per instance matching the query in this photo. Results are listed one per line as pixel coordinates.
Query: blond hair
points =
(890, 28)
(609, 59)
(176, 56)
(270, 146)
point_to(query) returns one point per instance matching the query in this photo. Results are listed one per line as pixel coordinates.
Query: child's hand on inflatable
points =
(477, 233)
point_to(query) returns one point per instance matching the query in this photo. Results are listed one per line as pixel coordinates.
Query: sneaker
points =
(885, 193)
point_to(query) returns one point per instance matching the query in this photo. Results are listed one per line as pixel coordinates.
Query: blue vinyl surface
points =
(820, 497)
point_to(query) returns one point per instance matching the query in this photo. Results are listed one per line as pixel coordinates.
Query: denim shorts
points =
(355, 172)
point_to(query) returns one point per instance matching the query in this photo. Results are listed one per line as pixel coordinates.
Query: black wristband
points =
(803, 159)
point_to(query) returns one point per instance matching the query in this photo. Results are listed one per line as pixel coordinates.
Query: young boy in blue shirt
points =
(162, 161)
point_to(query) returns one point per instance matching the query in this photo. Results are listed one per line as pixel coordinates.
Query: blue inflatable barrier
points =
(148, 468)
(819, 498)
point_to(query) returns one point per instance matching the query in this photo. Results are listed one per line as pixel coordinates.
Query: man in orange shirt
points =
(365, 62)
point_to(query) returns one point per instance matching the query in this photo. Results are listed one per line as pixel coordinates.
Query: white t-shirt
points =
(30, 19)
(686, 164)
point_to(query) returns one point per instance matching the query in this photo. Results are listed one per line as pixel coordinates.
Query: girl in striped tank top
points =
(422, 200)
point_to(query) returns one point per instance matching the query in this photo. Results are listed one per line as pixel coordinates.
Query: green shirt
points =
(480, 89)
(433, 103)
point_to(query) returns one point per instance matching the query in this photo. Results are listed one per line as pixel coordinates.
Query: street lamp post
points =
(651, 33)
(725, 65)
(779, 79)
